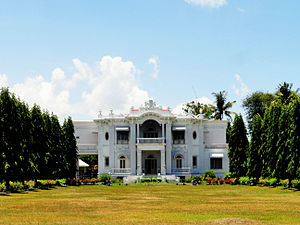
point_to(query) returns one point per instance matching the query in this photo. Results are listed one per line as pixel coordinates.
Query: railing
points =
(216, 146)
(122, 142)
(181, 170)
(121, 170)
(87, 149)
(178, 141)
(150, 140)
(87, 146)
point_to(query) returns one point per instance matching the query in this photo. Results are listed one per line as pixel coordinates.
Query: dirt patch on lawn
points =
(224, 221)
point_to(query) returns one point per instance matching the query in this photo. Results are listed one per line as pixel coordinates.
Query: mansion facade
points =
(150, 140)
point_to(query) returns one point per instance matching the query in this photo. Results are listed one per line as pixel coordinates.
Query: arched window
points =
(122, 161)
(179, 161)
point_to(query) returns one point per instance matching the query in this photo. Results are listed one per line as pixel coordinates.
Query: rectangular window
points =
(106, 161)
(194, 162)
(216, 163)
(122, 137)
(178, 137)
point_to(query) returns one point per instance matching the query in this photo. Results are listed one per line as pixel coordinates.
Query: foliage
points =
(2, 187)
(227, 175)
(146, 180)
(210, 111)
(221, 106)
(296, 184)
(188, 179)
(238, 148)
(209, 173)
(104, 177)
(198, 178)
(244, 180)
(254, 165)
(32, 143)
(256, 103)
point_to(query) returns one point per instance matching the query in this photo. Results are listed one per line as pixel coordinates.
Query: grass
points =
(152, 204)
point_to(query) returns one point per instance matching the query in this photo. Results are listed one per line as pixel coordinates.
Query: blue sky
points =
(76, 57)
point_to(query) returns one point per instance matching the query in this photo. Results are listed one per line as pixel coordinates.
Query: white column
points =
(168, 148)
(132, 148)
(163, 130)
(162, 162)
(139, 162)
(138, 130)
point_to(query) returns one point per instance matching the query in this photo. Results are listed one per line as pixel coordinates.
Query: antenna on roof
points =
(195, 93)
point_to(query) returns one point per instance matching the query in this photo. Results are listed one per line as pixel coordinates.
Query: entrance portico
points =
(151, 158)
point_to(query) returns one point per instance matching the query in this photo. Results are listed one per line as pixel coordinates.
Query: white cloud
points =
(178, 109)
(3, 80)
(241, 10)
(242, 89)
(208, 3)
(154, 61)
(112, 85)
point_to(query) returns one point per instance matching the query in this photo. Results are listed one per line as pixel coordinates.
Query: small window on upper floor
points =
(178, 137)
(77, 137)
(106, 136)
(122, 137)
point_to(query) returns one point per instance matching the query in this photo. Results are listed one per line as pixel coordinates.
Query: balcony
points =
(87, 149)
(150, 140)
(120, 171)
(216, 146)
(186, 170)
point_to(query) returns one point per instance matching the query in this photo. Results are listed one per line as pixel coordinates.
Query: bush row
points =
(153, 180)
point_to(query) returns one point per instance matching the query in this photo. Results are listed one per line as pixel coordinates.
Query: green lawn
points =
(152, 204)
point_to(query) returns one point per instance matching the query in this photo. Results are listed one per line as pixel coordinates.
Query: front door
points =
(150, 166)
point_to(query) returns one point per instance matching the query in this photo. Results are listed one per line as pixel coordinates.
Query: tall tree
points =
(270, 138)
(39, 145)
(283, 143)
(254, 157)
(238, 147)
(70, 148)
(256, 103)
(293, 168)
(10, 137)
(57, 161)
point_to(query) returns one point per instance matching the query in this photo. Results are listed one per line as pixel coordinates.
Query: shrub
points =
(296, 184)
(197, 178)
(15, 186)
(61, 182)
(75, 182)
(2, 187)
(227, 175)
(273, 182)
(221, 181)
(146, 180)
(159, 180)
(284, 183)
(244, 180)
(188, 179)
(104, 177)
(262, 181)
(209, 173)
(154, 179)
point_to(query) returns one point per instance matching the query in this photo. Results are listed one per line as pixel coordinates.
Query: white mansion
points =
(153, 141)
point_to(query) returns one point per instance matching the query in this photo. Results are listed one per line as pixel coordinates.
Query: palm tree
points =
(284, 92)
(221, 106)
